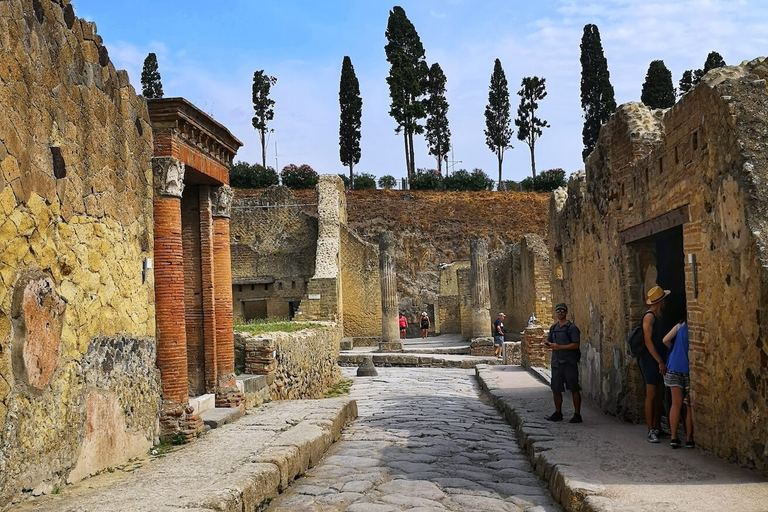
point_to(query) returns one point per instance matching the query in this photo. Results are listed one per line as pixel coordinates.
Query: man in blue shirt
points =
(563, 341)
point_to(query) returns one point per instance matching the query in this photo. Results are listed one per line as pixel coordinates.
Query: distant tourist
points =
(652, 363)
(403, 325)
(678, 380)
(424, 322)
(564, 342)
(498, 334)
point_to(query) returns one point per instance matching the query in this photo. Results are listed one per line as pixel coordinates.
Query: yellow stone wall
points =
(86, 234)
(361, 286)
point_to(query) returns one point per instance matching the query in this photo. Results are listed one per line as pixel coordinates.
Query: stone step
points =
(202, 403)
(218, 416)
(461, 350)
(416, 360)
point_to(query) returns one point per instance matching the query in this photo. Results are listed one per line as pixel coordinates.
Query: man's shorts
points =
(677, 380)
(650, 370)
(498, 340)
(565, 375)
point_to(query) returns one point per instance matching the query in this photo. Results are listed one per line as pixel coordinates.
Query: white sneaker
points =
(652, 436)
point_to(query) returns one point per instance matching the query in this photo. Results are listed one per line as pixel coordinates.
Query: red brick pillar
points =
(209, 301)
(227, 394)
(169, 299)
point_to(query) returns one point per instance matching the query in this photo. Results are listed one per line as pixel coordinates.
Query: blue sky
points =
(208, 51)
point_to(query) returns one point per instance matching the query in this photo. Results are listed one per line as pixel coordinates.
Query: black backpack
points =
(636, 340)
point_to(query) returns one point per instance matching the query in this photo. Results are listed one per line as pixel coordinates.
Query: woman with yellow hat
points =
(653, 362)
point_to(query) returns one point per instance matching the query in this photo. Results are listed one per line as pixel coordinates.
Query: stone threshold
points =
(241, 466)
(416, 360)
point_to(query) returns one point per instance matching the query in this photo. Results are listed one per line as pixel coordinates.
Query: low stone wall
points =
(482, 347)
(512, 352)
(532, 349)
(302, 363)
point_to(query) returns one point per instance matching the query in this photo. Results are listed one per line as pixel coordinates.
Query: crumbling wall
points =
(361, 289)
(77, 323)
(273, 245)
(701, 164)
(447, 308)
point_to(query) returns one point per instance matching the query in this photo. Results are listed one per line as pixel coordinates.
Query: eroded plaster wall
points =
(76, 312)
(361, 287)
(701, 165)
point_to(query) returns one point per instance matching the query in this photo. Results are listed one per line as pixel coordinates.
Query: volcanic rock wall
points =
(78, 385)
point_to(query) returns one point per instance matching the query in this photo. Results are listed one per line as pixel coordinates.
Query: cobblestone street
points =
(424, 440)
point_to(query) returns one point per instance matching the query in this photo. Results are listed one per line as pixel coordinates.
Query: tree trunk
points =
(351, 177)
(413, 158)
(500, 154)
(439, 164)
(533, 161)
(262, 135)
(407, 159)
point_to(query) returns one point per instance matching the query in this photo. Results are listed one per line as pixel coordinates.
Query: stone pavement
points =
(607, 465)
(236, 467)
(424, 441)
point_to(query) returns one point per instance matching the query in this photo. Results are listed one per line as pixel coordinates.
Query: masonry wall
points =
(79, 391)
(447, 308)
(701, 163)
(360, 286)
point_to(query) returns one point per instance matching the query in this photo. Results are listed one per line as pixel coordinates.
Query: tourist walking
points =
(652, 362)
(678, 380)
(564, 342)
(424, 322)
(498, 334)
(403, 325)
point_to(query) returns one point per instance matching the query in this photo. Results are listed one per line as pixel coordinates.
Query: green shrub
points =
(463, 180)
(245, 175)
(364, 181)
(299, 177)
(512, 185)
(426, 179)
(546, 181)
(387, 181)
(345, 179)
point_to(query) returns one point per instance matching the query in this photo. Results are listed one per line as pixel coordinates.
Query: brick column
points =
(168, 176)
(481, 296)
(209, 301)
(390, 330)
(227, 394)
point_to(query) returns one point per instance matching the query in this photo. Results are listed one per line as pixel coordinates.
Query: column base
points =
(390, 346)
(177, 423)
(227, 393)
(482, 346)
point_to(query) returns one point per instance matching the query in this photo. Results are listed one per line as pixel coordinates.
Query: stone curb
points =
(564, 481)
(415, 360)
(248, 484)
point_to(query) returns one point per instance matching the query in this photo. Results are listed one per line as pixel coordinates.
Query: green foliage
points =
(151, 84)
(364, 181)
(498, 131)
(299, 177)
(407, 73)
(686, 82)
(513, 186)
(438, 133)
(547, 181)
(658, 91)
(597, 96)
(387, 181)
(463, 180)
(351, 107)
(263, 108)
(56, 490)
(714, 60)
(245, 175)
(340, 388)
(426, 179)
(177, 439)
(345, 179)
(533, 89)
(272, 325)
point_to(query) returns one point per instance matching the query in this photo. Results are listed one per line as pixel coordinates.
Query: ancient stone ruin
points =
(676, 198)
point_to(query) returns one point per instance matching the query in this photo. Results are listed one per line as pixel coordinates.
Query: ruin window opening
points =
(646, 175)
(293, 285)
(59, 167)
(139, 128)
(695, 140)
(253, 287)
(661, 165)
(266, 287)
(677, 157)
(240, 288)
(280, 285)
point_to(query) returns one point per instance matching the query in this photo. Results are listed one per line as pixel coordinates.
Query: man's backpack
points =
(636, 342)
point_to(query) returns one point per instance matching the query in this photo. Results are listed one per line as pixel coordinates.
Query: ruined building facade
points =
(677, 198)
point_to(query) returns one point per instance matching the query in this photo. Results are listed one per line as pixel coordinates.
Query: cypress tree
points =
(151, 85)
(533, 89)
(597, 97)
(351, 108)
(438, 134)
(498, 132)
(714, 60)
(263, 108)
(406, 78)
(658, 91)
(686, 82)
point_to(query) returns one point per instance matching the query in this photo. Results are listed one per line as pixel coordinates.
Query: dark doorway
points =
(670, 267)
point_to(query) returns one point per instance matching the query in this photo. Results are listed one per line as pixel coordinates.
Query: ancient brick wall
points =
(76, 314)
(360, 286)
(532, 349)
(695, 173)
(447, 310)
(273, 245)
(305, 363)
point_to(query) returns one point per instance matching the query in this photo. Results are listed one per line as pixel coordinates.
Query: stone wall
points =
(305, 362)
(78, 385)
(360, 286)
(273, 253)
(447, 310)
(532, 349)
(688, 185)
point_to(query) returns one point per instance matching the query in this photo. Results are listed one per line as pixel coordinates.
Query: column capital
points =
(221, 197)
(168, 176)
